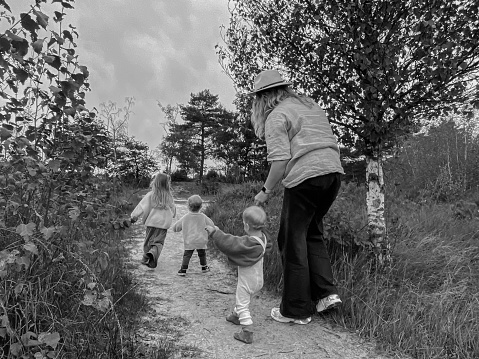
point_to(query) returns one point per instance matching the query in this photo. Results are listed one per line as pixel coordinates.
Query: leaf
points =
(21, 74)
(4, 44)
(42, 19)
(5, 5)
(19, 289)
(53, 60)
(28, 23)
(48, 232)
(54, 165)
(58, 16)
(23, 261)
(38, 45)
(74, 213)
(26, 230)
(84, 70)
(16, 348)
(50, 339)
(31, 247)
(4, 134)
(67, 35)
(67, 5)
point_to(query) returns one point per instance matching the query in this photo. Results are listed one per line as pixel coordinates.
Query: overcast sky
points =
(152, 50)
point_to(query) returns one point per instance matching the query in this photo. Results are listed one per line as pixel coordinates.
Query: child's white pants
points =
(250, 281)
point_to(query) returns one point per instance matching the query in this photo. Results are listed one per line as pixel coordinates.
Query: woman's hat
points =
(267, 79)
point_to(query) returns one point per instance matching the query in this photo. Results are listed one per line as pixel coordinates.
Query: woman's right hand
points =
(260, 198)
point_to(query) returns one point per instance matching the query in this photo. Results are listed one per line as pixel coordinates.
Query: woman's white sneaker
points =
(329, 302)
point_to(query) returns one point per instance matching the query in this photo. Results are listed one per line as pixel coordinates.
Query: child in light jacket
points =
(247, 253)
(158, 210)
(195, 236)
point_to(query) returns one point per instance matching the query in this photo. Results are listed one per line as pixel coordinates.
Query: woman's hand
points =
(260, 198)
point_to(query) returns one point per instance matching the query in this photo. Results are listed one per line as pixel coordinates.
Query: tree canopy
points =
(376, 66)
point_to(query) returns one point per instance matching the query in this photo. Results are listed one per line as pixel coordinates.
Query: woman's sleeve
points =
(277, 138)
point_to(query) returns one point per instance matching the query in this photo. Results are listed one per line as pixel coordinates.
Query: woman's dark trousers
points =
(307, 272)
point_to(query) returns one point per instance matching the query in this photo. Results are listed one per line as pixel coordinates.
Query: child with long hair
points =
(158, 210)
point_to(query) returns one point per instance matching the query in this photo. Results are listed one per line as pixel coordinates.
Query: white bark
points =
(375, 208)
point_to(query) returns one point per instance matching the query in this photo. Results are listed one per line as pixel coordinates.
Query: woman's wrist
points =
(265, 190)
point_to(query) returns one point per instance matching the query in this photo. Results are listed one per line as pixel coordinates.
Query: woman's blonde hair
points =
(161, 196)
(265, 102)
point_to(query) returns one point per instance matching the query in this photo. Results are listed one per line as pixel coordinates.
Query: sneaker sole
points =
(288, 320)
(181, 274)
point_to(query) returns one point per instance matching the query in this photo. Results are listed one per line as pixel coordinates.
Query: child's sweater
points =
(242, 251)
(152, 216)
(193, 226)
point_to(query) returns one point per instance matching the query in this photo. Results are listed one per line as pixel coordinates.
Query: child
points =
(194, 235)
(158, 210)
(247, 253)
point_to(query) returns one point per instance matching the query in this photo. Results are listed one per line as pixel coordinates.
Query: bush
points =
(179, 176)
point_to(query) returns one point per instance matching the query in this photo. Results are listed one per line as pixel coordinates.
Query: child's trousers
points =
(250, 281)
(187, 256)
(154, 241)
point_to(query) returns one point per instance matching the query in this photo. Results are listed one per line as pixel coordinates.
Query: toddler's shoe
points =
(233, 318)
(276, 315)
(331, 301)
(205, 269)
(182, 272)
(244, 336)
(151, 260)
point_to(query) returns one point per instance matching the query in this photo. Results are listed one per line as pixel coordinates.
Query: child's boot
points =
(244, 336)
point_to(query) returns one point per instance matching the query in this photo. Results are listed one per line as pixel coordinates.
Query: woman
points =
(304, 155)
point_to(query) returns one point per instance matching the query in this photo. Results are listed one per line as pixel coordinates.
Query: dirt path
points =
(196, 305)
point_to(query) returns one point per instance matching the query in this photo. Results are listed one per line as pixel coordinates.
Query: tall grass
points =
(425, 304)
(74, 298)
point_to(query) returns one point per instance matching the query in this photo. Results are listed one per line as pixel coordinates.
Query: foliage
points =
(378, 67)
(61, 278)
(218, 135)
(440, 163)
(134, 163)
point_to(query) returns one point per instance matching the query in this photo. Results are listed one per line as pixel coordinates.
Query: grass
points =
(425, 304)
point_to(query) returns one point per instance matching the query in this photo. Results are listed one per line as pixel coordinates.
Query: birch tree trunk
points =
(375, 208)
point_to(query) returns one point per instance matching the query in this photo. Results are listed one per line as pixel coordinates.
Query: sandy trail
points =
(196, 305)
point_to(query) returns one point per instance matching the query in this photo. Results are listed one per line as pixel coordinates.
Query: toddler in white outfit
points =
(247, 253)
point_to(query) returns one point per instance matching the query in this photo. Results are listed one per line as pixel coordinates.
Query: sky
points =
(152, 50)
